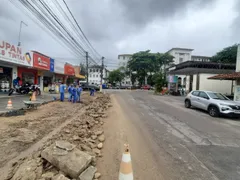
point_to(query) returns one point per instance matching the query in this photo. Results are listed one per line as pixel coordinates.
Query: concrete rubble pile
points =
(72, 153)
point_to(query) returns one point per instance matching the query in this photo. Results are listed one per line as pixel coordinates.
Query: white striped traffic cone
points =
(9, 104)
(126, 165)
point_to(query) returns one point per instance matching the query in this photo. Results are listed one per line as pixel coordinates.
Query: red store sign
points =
(69, 70)
(40, 61)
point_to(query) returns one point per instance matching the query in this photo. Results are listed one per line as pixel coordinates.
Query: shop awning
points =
(230, 76)
(79, 76)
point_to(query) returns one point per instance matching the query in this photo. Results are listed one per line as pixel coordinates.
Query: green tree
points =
(159, 81)
(116, 76)
(145, 63)
(227, 55)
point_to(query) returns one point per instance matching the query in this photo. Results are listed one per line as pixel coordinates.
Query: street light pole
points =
(19, 36)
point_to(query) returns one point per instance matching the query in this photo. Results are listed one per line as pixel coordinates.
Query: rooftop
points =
(230, 76)
(184, 49)
(194, 67)
(196, 56)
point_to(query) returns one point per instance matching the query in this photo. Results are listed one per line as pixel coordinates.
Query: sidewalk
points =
(17, 101)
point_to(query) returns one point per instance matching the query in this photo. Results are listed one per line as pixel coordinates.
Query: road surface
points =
(168, 141)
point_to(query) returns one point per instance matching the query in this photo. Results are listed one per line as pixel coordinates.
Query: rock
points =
(65, 145)
(110, 105)
(85, 148)
(76, 138)
(101, 138)
(101, 123)
(97, 175)
(67, 131)
(88, 174)
(48, 175)
(96, 122)
(94, 137)
(72, 164)
(96, 151)
(82, 132)
(100, 145)
(94, 115)
(104, 116)
(26, 171)
(98, 133)
(60, 177)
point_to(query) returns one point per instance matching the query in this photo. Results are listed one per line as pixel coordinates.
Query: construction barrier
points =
(125, 172)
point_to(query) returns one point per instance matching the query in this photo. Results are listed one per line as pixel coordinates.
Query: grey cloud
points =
(140, 13)
(236, 24)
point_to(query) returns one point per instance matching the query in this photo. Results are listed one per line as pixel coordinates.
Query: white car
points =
(213, 102)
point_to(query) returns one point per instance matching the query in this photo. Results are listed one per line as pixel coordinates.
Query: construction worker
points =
(62, 91)
(92, 90)
(70, 92)
(74, 94)
(79, 91)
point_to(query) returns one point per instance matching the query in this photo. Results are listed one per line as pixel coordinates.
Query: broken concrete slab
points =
(27, 171)
(73, 163)
(65, 145)
(88, 174)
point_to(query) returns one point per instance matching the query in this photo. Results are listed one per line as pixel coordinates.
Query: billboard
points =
(172, 79)
(40, 61)
(15, 54)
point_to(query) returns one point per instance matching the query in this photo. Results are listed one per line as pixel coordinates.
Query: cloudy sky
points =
(126, 26)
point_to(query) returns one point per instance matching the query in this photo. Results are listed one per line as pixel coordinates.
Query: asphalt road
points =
(192, 144)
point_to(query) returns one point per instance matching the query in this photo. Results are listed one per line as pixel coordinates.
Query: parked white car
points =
(213, 102)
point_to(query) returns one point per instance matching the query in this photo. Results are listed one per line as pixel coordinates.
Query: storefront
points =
(59, 71)
(43, 64)
(70, 72)
(11, 57)
(28, 75)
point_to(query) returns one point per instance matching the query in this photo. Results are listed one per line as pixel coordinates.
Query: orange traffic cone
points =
(33, 96)
(9, 104)
(126, 165)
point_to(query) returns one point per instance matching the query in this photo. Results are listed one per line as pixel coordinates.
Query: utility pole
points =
(19, 35)
(87, 66)
(102, 68)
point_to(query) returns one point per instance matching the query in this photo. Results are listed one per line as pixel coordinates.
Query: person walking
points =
(62, 91)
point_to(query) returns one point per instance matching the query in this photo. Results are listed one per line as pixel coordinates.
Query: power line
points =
(55, 26)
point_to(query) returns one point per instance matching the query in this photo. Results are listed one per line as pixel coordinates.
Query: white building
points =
(122, 62)
(193, 75)
(94, 75)
(181, 55)
(200, 58)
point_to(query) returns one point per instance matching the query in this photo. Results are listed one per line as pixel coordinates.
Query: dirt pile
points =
(84, 132)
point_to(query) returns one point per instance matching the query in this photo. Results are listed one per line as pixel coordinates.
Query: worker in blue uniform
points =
(62, 91)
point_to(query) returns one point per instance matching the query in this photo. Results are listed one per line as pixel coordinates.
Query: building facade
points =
(94, 74)
(122, 62)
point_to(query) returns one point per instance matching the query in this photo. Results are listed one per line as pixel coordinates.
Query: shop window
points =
(28, 77)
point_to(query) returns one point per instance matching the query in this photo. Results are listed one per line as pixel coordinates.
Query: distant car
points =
(146, 87)
(214, 103)
(86, 87)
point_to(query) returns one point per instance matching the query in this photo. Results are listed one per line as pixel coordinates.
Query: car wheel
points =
(187, 103)
(213, 111)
